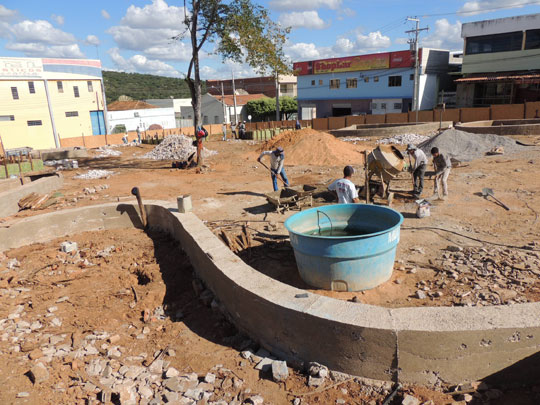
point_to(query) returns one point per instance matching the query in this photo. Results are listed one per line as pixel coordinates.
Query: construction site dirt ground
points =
(230, 192)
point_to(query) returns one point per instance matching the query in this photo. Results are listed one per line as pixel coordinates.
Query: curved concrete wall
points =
(391, 129)
(502, 127)
(417, 345)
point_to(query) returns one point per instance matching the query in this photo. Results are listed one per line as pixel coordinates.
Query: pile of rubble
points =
(478, 276)
(94, 174)
(107, 151)
(176, 147)
(404, 139)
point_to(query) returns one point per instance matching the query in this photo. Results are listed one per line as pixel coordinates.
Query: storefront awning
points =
(529, 78)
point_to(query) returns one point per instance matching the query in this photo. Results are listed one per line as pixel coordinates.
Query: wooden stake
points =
(366, 175)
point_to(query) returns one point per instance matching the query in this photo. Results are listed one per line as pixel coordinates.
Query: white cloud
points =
(35, 49)
(58, 19)
(92, 40)
(374, 40)
(149, 31)
(345, 13)
(105, 14)
(155, 15)
(304, 4)
(40, 31)
(6, 14)
(303, 19)
(444, 36)
(303, 51)
(478, 7)
(39, 39)
(141, 64)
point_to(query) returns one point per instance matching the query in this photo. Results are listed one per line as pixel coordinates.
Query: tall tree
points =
(241, 31)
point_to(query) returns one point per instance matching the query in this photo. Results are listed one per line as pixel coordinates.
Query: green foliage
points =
(264, 109)
(119, 129)
(241, 30)
(288, 106)
(141, 87)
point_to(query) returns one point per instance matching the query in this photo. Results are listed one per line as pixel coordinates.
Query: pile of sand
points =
(310, 147)
(466, 146)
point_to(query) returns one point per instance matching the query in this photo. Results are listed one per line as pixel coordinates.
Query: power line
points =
(487, 10)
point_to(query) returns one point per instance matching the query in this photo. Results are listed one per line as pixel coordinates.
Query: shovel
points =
(486, 192)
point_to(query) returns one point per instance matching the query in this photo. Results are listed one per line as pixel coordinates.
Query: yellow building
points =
(43, 100)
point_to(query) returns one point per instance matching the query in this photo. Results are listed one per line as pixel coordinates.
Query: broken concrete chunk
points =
(420, 294)
(264, 365)
(68, 247)
(315, 381)
(410, 400)
(280, 372)
(39, 373)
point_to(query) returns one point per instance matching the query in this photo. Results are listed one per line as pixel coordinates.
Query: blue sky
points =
(132, 35)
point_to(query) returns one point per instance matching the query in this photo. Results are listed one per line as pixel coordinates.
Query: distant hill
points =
(141, 87)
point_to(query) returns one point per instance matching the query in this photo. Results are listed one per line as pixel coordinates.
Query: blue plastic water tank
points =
(360, 258)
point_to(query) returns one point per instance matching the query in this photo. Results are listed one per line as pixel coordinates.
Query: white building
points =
(128, 115)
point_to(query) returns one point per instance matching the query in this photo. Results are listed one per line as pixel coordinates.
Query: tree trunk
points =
(195, 83)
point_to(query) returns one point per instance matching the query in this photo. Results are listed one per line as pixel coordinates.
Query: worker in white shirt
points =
(418, 168)
(277, 158)
(345, 188)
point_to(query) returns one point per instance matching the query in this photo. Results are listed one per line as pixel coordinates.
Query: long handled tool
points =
(136, 193)
(486, 192)
(267, 168)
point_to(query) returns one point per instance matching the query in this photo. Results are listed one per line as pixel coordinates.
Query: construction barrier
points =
(253, 129)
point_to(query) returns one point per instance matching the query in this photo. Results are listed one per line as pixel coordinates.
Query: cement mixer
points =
(386, 162)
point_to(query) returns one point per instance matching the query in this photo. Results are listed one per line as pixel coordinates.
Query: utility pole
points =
(223, 102)
(277, 97)
(416, 91)
(234, 99)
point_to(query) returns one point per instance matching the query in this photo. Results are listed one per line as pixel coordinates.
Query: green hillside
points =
(141, 87)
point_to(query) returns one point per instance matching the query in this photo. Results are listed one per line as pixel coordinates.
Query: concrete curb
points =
(9, 199)
(423, 345)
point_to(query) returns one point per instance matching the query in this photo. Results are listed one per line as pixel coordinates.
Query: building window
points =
(411, 76)
(398, 106)
(76, 91)
(383, 106)
(532, 39)
(90, 86)
(34, 123)
(394, 81)
(509, 41)
(366, 79)
(7, 118)
(376, 79)
(313, 82)
(334, 83)
(14, 93)
(31, 87)
(136, 114)
(72, 113)
(352, 83)
(373, 106)
(60, 87)
(320, 82)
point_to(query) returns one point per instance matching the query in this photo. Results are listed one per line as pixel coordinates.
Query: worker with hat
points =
(442, 165)
(277, 158)
(345, 188)
(418, 169)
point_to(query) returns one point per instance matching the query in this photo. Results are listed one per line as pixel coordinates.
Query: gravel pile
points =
(106, 151)
(94, 174)
(404, 139)
(176, 147)
(465, 146)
